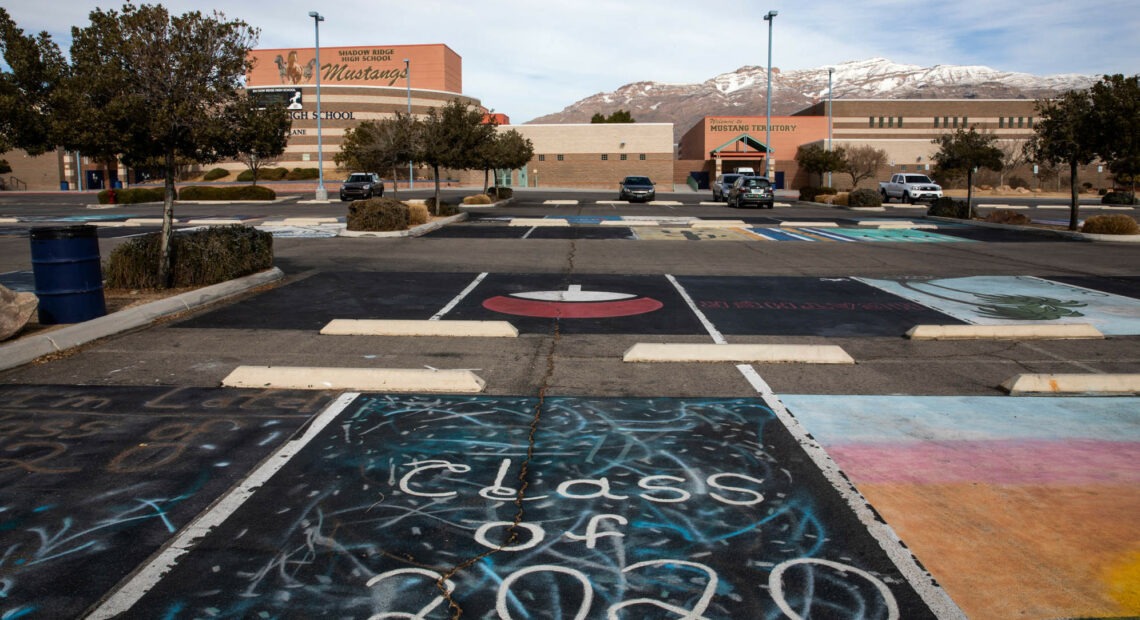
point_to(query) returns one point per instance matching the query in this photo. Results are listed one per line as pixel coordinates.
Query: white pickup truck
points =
(910, 188)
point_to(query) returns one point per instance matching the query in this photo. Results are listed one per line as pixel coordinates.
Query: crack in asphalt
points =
(512, 533)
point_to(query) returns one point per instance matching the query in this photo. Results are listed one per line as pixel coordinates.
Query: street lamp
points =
(770, 17)
(321, 193)
(408, 77)
(829, 72)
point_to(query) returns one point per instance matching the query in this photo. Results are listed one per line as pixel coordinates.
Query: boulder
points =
(15, 311)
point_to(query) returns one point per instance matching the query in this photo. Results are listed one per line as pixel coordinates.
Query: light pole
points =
(408, 77)
(321, 193)
(770, 17)
(829, 72)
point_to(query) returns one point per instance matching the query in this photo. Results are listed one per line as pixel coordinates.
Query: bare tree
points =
(1012, 157)
(863, 162)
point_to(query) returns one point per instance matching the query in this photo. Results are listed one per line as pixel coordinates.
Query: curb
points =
(27, 349)
(1068, 234)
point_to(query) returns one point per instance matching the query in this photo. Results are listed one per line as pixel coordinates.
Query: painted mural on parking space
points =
(93, 479)
(481, 507)
(997, 300)
(1020, 507)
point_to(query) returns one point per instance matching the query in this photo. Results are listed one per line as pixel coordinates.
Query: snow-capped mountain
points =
(742, 92)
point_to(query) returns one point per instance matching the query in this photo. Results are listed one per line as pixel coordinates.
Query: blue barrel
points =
(69, 279)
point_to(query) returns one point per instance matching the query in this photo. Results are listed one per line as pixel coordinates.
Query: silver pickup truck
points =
(910, 188)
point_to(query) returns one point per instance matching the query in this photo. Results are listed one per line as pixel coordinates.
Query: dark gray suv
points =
(750, 190)
(361, 186)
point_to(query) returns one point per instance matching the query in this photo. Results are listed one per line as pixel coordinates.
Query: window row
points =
(605, 157)
(1021, 122)
(949, 122)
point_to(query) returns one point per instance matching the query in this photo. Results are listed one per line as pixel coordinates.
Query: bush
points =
(232, 192)
(1005, 216)
(265, 174)
(303, 174)
(1016, 182)
(501, 193)
(809, 193)
(418, 215)
(478, 199)
(378, 214)
(948, 207)
(135, 195)
(1118, 198)
(864, 198)
(215, 174)
(198, 258)
(444, 208)
(1117, 224)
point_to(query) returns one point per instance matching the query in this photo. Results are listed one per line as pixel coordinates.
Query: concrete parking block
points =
(793, 224)
(143, 221)
(759, 353)
(560, 202)
(455, 329)
(719, 224)
(888, 224)
(1039, 384)
(1037, 331)
(375, 379)
(308, 221)
(537, 221)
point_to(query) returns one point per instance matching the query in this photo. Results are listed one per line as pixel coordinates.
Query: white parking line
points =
(130, 592)
(458, 298)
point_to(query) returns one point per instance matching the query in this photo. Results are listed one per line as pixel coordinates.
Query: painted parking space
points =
(994, 300)
(309, 304)
(96, 478)
(1021, 507)
(428, 506)
(832, 307)
(653, 304)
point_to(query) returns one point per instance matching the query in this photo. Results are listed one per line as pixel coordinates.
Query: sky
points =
(527, 59)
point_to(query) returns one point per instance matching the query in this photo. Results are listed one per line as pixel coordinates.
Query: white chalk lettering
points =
(592, 534)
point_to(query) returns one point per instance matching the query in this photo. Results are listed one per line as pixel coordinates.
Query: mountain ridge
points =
(742, 92)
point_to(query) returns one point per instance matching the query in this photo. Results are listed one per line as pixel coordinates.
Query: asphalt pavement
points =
(575, 483)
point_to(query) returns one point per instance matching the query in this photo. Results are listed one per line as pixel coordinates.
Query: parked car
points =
(361, 186)
(637, 189)
(750, 190)
(722, 184)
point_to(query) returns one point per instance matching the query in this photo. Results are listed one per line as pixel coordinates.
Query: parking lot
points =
(906, 483)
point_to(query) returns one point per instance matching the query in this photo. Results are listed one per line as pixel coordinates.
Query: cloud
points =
(527, 59)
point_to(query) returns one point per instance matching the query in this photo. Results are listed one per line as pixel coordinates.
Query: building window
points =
(641, 157)
(1001, 122)
(1020, 122)
(605, 157)
(880, 122)
(900, 122)
(965, 121)
(955, 122)
(870, 121)
(560, 157)
(1030, 122)
(946, 122)
(542, 158)
(903, 168)
(891, 122)
(936, 122)
(623, 156)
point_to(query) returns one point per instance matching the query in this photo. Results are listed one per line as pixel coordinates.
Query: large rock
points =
(15, 311)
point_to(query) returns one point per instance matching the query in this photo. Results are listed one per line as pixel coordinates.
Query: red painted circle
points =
(572, 310)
